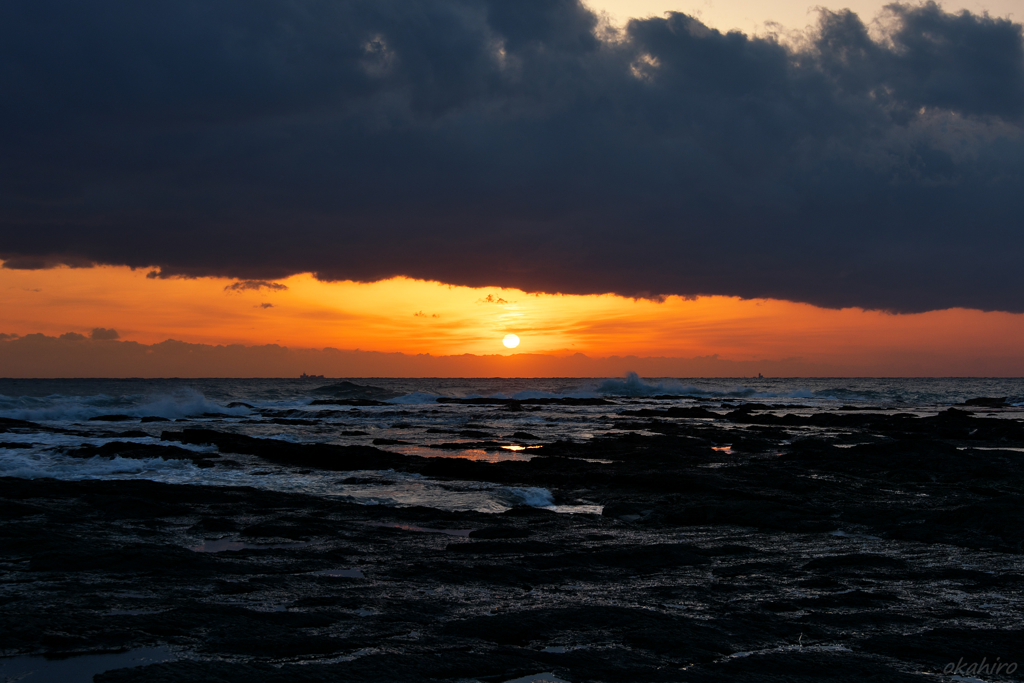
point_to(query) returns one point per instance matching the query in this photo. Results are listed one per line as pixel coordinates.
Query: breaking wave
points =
(529, 495)
(632, 385)
(60, 408)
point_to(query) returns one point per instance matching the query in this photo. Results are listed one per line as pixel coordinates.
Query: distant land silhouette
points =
(73, 355)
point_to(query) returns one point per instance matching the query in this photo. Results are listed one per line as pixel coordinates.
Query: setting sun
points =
(511, 341)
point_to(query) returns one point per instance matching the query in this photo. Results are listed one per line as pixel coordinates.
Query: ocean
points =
(660, 529)
(480, 419)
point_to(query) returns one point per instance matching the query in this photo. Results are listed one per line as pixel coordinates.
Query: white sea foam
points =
(529, 495)
(186, 403)
(55, 466)
(59, 408)
(387, 487)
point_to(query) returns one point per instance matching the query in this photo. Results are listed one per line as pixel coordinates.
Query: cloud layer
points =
(484, 142)
(72, 355)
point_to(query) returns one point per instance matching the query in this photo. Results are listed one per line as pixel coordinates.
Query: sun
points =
(511, 341)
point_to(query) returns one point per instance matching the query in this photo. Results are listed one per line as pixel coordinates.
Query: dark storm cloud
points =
(487, 142)
(255, 285)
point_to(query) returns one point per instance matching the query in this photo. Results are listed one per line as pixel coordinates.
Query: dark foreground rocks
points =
(747, 546)
(308, 589)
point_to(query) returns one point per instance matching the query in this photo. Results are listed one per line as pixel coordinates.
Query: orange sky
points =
(427, 317)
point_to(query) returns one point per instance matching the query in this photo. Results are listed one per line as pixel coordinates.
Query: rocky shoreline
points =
(734, 546)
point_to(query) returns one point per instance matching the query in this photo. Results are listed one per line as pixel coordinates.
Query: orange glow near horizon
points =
(416, 317)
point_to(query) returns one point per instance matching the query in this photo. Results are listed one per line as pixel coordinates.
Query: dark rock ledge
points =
(783, 558)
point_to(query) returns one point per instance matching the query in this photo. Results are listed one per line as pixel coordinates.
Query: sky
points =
(828, 190)
(758, 17)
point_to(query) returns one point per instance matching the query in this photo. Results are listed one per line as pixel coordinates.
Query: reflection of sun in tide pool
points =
(511, 341)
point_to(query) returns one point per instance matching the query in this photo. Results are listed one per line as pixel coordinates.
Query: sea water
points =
(412, 421)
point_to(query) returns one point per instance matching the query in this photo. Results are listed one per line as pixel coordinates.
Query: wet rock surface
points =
(747, 545)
